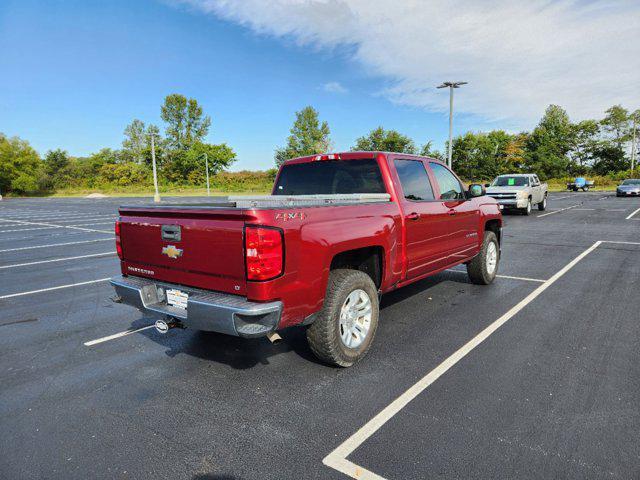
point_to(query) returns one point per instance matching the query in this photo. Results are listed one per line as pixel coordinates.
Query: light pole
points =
(633, 144)
(156, 196)
(451, 86)
(206, 163)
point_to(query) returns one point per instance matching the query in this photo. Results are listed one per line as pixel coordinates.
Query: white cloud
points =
(518, 57)
(334, 87)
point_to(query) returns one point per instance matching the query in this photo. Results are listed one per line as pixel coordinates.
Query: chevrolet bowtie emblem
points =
(171, 251)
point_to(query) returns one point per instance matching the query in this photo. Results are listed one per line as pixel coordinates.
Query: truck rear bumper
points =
(206, 310)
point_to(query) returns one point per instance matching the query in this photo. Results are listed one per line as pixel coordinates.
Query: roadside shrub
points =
(124, 174)
(25, 183)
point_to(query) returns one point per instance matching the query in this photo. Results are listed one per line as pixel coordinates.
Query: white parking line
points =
(509, 277)
(631, 216)
(81, 219)
(58, 216)
(56, 245)
(54, 288)
(337, 459)
(560, 198)
(58, 226)
(116, 335)
(620, 242)
(522, 278)
(15, 265)
(557, 211)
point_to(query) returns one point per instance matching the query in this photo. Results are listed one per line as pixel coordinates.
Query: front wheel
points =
(345, 327)
(483, 268)
(542, 206)
(527, 209)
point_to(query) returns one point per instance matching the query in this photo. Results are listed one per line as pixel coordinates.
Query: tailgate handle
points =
(171, 232)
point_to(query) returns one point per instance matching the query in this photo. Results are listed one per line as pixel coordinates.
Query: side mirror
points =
(487, 185)
(476, 190)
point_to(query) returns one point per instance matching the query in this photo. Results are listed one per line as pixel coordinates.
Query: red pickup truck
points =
(338, 231)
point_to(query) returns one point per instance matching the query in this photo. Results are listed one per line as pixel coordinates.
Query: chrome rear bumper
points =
(206, 310)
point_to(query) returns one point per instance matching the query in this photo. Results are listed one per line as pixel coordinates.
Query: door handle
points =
(413, 216)
(452, 212)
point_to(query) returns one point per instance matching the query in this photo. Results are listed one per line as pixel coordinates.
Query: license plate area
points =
(176, 298)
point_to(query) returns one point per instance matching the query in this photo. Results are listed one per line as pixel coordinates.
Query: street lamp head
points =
(451, 84)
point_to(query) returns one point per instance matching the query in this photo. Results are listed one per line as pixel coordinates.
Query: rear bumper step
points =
(206, 310)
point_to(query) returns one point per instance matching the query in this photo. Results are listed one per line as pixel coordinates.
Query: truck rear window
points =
(330, 177)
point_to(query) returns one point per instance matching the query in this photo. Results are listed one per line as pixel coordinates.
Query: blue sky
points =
(75, 73)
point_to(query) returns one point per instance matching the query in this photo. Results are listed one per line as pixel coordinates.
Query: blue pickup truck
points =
(580, 183)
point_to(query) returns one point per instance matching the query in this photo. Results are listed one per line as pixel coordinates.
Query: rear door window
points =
(450, 188)
(330, 177)
(414, 180)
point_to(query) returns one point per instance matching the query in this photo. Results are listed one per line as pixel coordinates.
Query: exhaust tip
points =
(274, 337)
(162, 326)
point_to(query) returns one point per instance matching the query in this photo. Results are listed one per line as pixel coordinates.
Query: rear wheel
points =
(345, 327)
(483, 268)
(542, 206)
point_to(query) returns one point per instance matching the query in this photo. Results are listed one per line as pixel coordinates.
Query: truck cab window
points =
(450, 188)
(330, 177)
(414, 180)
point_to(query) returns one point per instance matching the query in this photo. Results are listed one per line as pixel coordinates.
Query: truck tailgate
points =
(195, 247)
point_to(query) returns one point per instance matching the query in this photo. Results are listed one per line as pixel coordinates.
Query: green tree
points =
(584, 142)
(617, 124)
(383, 140)
(427, 150)
(189, 167)
(308, 137)
(124, 174)
(20, 166)
(56, 161)
(88, 168)
(609, 158)
(549, 143)
(59, 169)
(186, 123)
(480, 155)
(514, 154)
(136, 141)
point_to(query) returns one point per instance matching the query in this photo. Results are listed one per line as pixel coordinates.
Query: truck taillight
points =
(264, 252)
(118, 244)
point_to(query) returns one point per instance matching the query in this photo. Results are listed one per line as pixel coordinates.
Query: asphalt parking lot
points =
(535, 376)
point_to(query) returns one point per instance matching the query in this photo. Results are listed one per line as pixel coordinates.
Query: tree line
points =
(555, 148)
(179, 153)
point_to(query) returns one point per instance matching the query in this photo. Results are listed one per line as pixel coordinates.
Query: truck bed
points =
(274, 201)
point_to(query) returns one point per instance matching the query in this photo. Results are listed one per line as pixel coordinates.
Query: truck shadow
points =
(238, 353)
(246, 353)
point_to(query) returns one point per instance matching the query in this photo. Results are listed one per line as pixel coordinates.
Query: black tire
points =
(527, 210)
(542, 206)
(323, 334)
(477, 268)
